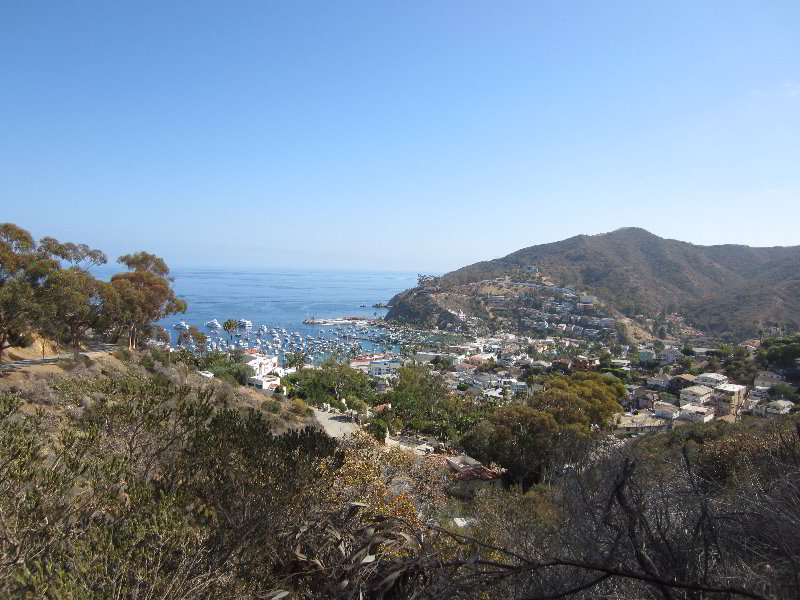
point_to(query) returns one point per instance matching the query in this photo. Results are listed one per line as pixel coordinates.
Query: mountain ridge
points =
(729, 290)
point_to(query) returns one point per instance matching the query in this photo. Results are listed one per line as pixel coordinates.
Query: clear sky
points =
(396, 135)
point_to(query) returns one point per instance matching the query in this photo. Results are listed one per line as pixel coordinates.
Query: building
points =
(729, 398)
(771, 410)
(767, 379)
(469, 475)
(585, 363)
(696, 394)
(645, 399)
(646, 355)
(641, 423)
(696, 413)
(670, 355)
(263, 364)
(665, 410)
(659, 381)
(384, 367)
(712, 380)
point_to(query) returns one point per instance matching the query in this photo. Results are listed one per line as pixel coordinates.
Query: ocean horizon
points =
(278, 297)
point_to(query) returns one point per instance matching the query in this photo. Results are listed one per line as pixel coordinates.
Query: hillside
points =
(727, 290)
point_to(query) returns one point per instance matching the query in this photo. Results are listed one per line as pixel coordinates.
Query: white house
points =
(696, 394)
(767, 379)
(263, 364)
(773, 409)
(665, 410)
(712, 380)
(696, 414)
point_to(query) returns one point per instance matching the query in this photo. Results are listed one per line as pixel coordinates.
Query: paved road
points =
(48, 360)
(335, 425)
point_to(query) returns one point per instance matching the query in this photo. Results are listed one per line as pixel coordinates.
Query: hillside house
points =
(729, 398)
(696, 413)
(469, 475)
(767, 379)
(645, 399)
(696, 394)
(646, 355)
(665, 410)
(711, 380)
(773, 409)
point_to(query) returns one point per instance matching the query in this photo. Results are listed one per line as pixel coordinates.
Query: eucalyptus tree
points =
(144, 294)
(22, 272)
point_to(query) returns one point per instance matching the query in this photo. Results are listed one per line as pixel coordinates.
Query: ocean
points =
(278, 298)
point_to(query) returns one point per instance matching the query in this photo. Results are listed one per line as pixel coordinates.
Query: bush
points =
(300, 408)
(378, 430)
(273, 406)
(123, 354)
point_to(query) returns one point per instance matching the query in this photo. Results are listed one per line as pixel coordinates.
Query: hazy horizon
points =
(414, 137)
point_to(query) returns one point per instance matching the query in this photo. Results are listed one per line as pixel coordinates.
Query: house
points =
(696, 413)
(696, 394)
(659, 381)
(759, 393)
(264, 382)
(469, 475)
(670, 355)
(729, 398)
(767, 379)
(263, 364)
(665, 410)
(640, 423)
(493, 393)
(771, 410)
(585, 363)
(644, 398)
(711, 380)
(646, 355)
(384, 367)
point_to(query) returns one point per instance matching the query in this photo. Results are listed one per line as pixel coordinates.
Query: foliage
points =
(331, 383)
(141, 296)
(422, 401)
(378, 429)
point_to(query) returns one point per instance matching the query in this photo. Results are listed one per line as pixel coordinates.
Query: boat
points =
(181, 325)
(244, 323)
(213, 323)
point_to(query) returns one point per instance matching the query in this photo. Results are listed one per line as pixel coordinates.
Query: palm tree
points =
(230, 326)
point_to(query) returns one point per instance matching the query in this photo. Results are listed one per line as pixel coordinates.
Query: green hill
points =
(727, 290)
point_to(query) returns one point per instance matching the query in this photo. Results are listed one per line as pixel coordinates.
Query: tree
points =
(230, 326)
(378, 429)
(295, 360)
(21, 275)
(145, 294)
(516, 436)
(72, 304)
(79, 256)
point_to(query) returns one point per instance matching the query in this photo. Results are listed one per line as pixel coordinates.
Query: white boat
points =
(213, 323)
(181, 325)
(244, 323)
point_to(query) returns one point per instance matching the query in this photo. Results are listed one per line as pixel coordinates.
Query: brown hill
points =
(727, 290)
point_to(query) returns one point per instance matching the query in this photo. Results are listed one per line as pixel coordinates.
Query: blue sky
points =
(404, 135)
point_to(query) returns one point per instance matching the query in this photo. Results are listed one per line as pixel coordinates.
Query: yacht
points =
(244, 323)
(213, 323)
(181, 325)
